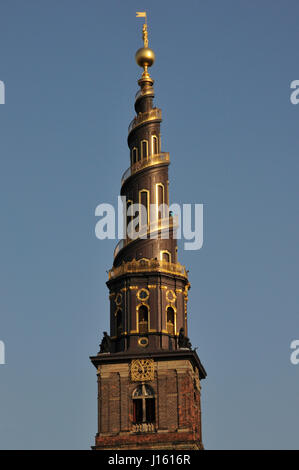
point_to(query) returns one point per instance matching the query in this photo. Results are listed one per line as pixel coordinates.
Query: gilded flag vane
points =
(142, 14)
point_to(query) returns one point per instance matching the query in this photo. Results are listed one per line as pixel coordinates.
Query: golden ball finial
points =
(145, 57)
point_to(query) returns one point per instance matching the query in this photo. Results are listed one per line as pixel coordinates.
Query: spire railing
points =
(152, 115)
(162, 157)
(145, 232)
(147, 265)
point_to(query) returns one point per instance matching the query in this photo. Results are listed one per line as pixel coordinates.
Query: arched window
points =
(160, 194)
(144, 201)
(170, 320)
(155, 147)
(143, 319)
(119, 322)
(144, 149)
(129, 217)
(160, 201)
(143, 405)
(134, 155)
(165, 256)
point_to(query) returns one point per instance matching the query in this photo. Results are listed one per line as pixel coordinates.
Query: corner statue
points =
(183, 340)
(105, 345)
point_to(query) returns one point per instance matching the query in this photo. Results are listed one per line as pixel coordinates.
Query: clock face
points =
(142, 369)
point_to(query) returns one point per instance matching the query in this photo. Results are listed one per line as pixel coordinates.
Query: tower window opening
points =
(143, 405)
(144, 149)
(170, 320)
(155, 147)
(129, 216)
(137, 411)
(119, 325)
(160, 201)
(134, 155)
(143, 319)
(144, 201)
(165, 256)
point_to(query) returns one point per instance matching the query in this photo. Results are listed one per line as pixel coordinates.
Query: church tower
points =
(149, 377)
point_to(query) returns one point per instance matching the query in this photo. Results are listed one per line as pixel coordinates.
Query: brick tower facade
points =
(148, 374)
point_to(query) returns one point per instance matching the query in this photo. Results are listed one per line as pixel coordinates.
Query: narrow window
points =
(165, 256)
(137, 411)
(144, 201)
(155, 148)
(150, 410)
(160, 194)
(170, 320)
(144, 149)
(119, 325)
(143, 319)
(160, 201)
(134, 155)
(129, 217)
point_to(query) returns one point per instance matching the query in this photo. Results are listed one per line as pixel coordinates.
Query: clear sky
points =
(223, 72)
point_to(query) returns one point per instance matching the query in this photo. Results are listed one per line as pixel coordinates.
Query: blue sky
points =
(223, 72)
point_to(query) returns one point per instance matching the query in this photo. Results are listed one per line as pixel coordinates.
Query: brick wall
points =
(177, 394)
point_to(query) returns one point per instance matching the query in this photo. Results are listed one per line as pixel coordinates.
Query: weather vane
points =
(145, 57)
(142, 14)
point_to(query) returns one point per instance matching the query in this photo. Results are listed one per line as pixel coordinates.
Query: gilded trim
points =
(149, 265)
(143, 339)
(143, 299)
(162, 157)
(118, 299)
(151, 115)
(170, 292)
(117, 310)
